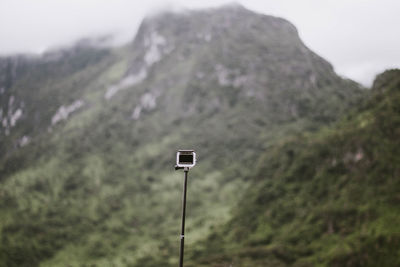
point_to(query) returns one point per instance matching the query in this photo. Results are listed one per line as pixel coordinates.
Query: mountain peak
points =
(216, 16)
(231, 22)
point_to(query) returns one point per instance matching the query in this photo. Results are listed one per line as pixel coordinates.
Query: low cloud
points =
(358, 36)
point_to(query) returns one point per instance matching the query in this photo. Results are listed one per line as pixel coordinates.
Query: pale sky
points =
(359, 37)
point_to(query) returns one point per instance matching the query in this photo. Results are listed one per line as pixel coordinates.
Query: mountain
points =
(329, 198)
(88, 134)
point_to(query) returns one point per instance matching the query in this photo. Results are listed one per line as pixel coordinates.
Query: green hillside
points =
(88, 134)
(324, 199)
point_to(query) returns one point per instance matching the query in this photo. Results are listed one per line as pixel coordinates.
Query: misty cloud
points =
(358, 37)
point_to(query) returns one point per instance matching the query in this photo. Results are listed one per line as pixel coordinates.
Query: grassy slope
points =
(330, 198)
(87, 201)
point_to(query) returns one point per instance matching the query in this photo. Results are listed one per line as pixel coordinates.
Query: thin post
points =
(186, 170)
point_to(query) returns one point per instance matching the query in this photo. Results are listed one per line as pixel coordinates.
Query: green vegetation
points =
(325, 199)
(97, 188)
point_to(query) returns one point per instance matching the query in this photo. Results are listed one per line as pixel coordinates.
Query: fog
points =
(359, 37)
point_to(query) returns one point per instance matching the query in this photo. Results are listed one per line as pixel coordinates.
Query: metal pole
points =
(186, 170)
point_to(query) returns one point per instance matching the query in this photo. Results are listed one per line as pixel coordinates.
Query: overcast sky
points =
(359, 37)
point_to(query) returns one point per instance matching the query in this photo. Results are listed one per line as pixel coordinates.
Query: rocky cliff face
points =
(93, 131)
(255, 56)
